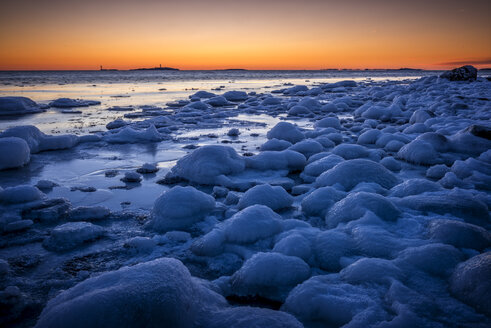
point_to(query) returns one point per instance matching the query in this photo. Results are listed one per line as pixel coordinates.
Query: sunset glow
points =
(192, 34)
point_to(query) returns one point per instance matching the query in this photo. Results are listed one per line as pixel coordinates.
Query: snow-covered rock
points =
(20, 194)
(179, 208)
(275, 197)
(70, 235)
(464, 73)
(38, 141)
(235, 96)
(286, 131)
(131, 135)
(68, 102)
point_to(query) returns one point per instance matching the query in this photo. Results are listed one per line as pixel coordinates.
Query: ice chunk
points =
(14, 152)
(18, 106)
(286, 131)
(275, 197)
(470, 282)
(356, 204)
(459, 234)
(147, 168)
(20, 194)
(179, 208)
(207, 163)
(132, 177)
(70, 235)
(350, 173)
(269, 275)
(144, 295)
(39, 141)
(68, 102)
(252, 224)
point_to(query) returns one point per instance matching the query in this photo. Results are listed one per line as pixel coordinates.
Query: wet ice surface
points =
(352, 204)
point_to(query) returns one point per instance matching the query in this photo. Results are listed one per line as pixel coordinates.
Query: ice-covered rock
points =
(419, 152)
(144, 295)
(147, 168)
(270, 275)
(252, 224)
(328, 122)
(235, 96)
(350, 173)
(275, 145)
(202, 94)
(330, 246)
(371, 270)
(141, 244)
(131, 135)
(18, 106)
(459, 234)
(277, 160)
(414, 187)
(247, 317)
(234, 132)
(470, 282)
(68, 102)
(218, 101)
(38, 141)
(89, 213)
(350, 151)
(307, 147)
(14, 152)
(320, 200)
(464, 73)
(20, 194)
(70, 235)
(286, 131)
(179, 208)
(275, 197)
(132, 177)
(355, 205)
(206, 164)
(294, 245)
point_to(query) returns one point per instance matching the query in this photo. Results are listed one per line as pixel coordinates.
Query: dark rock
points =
(480, 131)
(464, 73)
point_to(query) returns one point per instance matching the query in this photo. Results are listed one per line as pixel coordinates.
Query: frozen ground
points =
(273, 202)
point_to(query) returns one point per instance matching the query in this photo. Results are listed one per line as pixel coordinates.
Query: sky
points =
(250, 34)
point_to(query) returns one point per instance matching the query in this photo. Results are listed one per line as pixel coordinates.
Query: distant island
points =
(160, 68)
(233, 69)
(108, 69)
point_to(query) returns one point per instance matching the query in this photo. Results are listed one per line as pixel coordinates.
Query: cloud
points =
(486, 61)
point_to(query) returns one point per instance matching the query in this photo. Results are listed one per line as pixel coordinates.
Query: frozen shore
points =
(345, 204)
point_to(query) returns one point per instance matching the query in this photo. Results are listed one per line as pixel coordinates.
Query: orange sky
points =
(254, 34)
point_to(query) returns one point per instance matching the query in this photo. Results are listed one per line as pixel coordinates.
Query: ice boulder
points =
(350, 173)
(270, 275)
(464, 73)
(355, 205)
(235, 96)
(286, 131)
(70, 235)
(252, 224)
(18, 106)
(68, 103)
(144, 295)
(38, 141)
(179, 208)
(419, 152)
(131, 135)
(470, 282)
(14, 152)
(20, 194)
(207, 163)
(275, 197)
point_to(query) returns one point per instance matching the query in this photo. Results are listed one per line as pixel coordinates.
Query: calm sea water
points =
(155, 88)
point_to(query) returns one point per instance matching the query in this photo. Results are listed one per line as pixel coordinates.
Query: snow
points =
(38, 141)
(179, 208)
(14, 152)
(70, 235)
(274, 197)
(18, 106)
